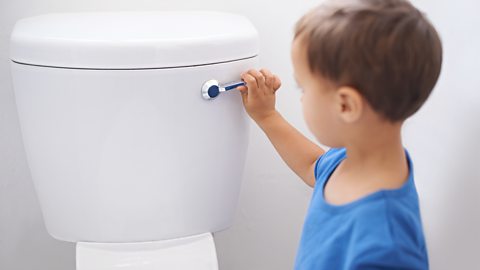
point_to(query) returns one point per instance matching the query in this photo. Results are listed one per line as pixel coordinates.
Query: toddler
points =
(364, 67)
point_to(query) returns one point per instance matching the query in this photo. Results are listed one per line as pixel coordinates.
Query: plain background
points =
(442, 139)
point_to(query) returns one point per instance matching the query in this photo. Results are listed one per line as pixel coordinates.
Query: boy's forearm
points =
(295, 149)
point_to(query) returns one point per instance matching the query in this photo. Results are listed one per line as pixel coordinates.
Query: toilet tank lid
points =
(133, 40)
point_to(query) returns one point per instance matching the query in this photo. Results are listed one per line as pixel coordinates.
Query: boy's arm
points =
(295, 149)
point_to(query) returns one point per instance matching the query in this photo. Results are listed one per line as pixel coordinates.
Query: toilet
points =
(127, 158)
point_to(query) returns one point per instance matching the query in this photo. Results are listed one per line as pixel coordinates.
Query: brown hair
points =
(386, 49)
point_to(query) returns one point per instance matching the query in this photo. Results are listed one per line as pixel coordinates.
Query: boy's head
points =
(378, 56)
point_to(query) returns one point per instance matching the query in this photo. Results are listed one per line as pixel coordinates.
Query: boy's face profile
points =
(334, 114)
(317, 98)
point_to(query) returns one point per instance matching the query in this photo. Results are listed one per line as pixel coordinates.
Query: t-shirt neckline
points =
(369, 197)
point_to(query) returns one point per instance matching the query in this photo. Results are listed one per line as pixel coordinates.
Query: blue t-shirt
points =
(382, 230)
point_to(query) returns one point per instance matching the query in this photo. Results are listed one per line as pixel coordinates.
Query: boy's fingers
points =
(258, 77)
(269, 77)
(251, 84)
(276, 83)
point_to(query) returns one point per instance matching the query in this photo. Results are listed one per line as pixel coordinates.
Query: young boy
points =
(364, 67)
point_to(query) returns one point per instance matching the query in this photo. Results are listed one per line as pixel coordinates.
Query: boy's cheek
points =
(309, 121)
(307, 112)
(310, 112)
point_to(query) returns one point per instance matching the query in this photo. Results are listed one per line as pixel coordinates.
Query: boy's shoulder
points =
(327, 162)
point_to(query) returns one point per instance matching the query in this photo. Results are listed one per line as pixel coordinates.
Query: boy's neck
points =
(375, 161)
(379, 147)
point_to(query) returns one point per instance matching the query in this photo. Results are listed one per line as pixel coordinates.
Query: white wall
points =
(442, 139)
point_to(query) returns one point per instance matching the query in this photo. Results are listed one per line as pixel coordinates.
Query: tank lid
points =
(133, 40)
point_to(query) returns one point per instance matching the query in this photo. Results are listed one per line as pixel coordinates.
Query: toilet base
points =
(193, 253)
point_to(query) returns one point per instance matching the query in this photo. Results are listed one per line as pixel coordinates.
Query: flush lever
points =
(212, 88)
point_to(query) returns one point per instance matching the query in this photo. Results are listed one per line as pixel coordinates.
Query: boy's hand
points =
(259, 94)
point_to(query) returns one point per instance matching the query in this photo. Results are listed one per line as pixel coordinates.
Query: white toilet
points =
(127, 158)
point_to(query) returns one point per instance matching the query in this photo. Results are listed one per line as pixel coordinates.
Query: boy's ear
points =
(349, 104)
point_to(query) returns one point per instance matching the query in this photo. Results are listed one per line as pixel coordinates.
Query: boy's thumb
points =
(244, 91)
(242, 88)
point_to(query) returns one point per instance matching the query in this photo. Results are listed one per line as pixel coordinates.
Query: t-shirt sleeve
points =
(317, 165)
(327, 161)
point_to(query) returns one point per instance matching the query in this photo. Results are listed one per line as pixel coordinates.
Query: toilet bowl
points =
(193, 252)
(127, 158)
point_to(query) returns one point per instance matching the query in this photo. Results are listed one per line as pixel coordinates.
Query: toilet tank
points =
(120, 144)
